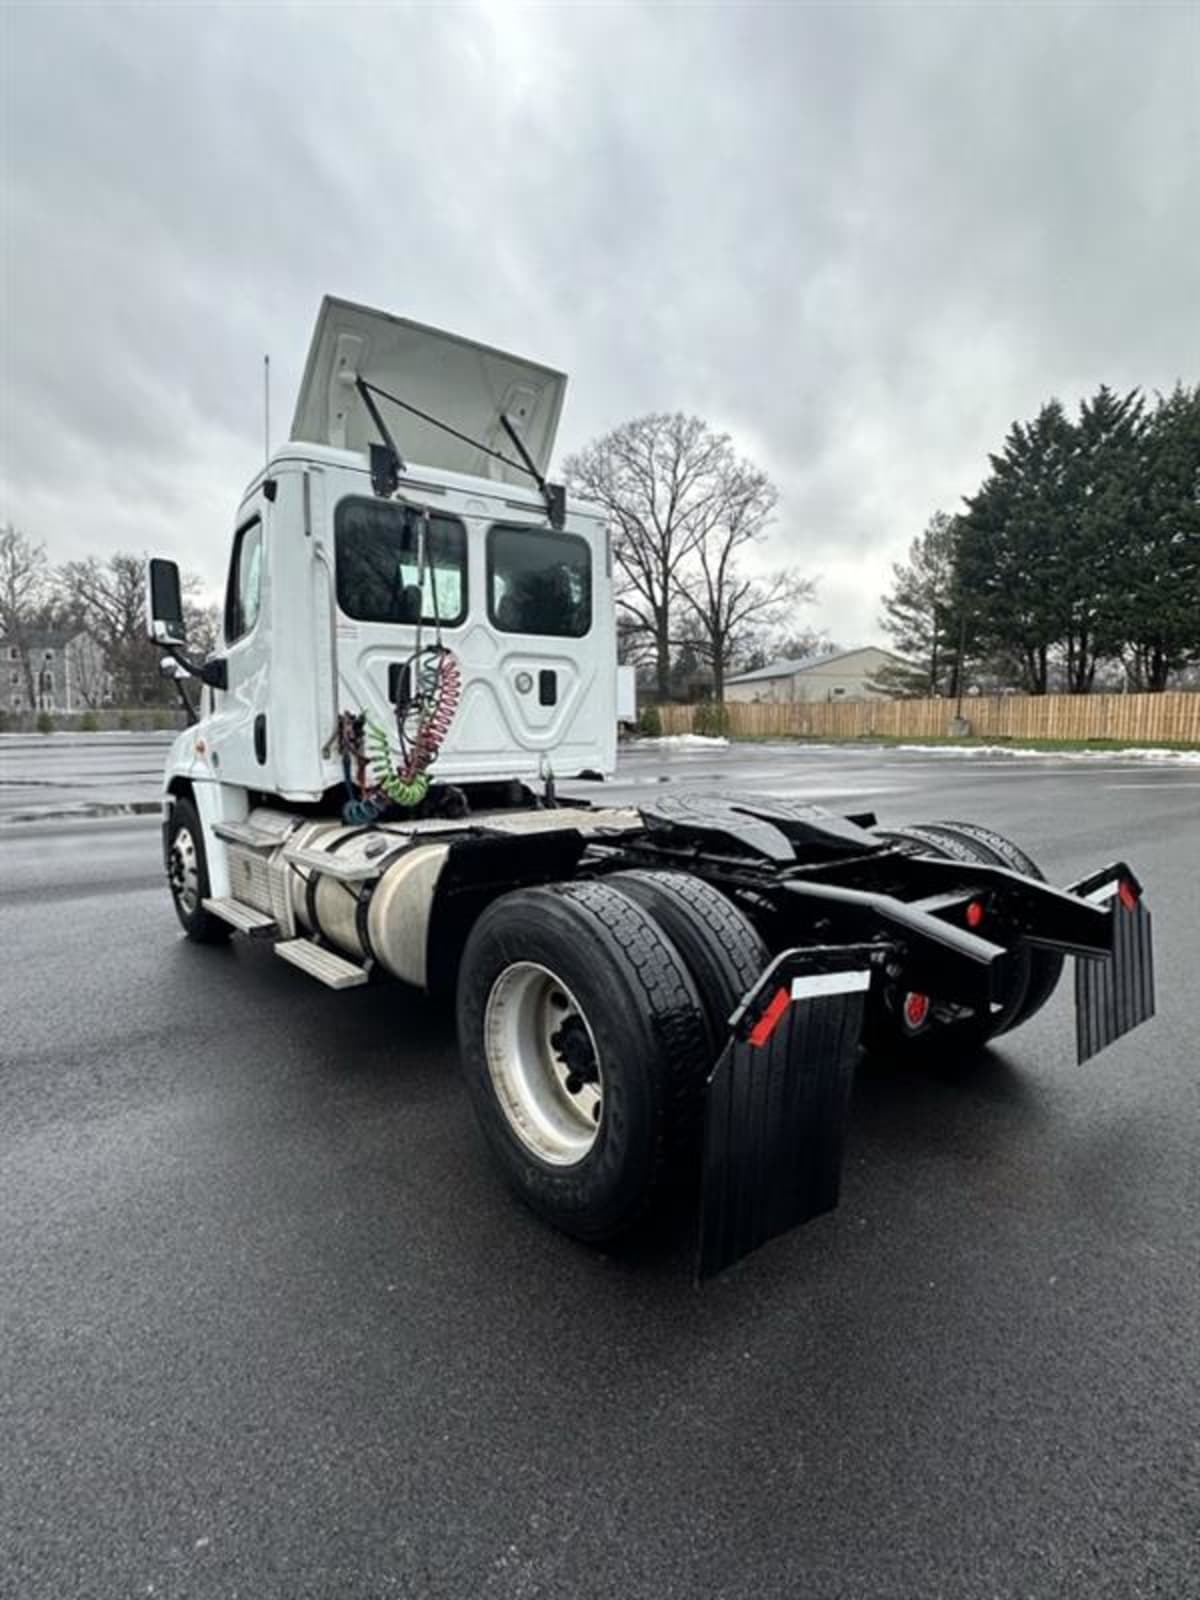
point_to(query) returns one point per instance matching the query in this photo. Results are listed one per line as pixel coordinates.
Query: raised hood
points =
(466, 385)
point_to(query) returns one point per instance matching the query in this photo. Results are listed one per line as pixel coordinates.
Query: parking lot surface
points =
(271, 1326)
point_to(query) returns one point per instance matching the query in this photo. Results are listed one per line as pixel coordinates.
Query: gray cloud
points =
(862, 238)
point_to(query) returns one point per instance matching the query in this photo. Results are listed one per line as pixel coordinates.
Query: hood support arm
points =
(387, 466)
(386, 461)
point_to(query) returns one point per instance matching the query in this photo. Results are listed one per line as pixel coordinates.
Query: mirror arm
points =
(185, 699)
(214, 672)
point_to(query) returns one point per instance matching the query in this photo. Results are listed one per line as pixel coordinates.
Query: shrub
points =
(45, 722)
(89, 722)
(124, 722)
(711, 718)
(650, 723)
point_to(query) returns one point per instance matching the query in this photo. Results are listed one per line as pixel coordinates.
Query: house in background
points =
(67, 670)
(844, 675)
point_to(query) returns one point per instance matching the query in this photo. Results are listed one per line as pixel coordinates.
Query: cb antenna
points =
(266, 410)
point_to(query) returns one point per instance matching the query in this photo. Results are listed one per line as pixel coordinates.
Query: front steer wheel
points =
(187, 876)
(584, 1044)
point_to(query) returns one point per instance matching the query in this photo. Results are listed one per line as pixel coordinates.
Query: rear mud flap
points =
(778, 1103)
(1115, 994)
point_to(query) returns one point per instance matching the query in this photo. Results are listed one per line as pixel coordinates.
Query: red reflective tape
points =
(771, 1018)
(1128, 895)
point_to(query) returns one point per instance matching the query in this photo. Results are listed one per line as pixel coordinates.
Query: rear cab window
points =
(539, 581)
(379, 564)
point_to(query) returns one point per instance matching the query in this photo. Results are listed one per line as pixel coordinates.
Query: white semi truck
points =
(418, 653)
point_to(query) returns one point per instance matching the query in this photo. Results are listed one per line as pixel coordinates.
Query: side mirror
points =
(164, 603)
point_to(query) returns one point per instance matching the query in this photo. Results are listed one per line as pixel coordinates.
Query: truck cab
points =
(330, 594)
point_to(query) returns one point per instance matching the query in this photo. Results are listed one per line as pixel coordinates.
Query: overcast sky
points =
(862, 239)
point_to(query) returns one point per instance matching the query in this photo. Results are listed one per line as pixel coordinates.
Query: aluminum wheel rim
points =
(544, 1065)
(183, 871)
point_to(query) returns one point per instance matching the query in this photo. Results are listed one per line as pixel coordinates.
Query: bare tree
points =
(88, 671)
(635, 647)
(729, 605)
(663, 479)
(24, 592)
(109, 598)
(202, 618)
(800, 644)
(737, 608)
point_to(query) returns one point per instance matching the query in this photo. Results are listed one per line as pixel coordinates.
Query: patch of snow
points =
(1185, 758)
(686, 741)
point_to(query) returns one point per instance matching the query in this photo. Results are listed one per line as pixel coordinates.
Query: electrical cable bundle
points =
(421, 726)
(425, 709)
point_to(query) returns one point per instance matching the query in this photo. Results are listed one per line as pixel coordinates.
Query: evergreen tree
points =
(921, 614)
(1080, 549)
(1156, 569)
(1013, 548)
(686, 667)
(1101, 492)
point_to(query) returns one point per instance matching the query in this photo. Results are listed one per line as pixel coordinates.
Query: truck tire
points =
(187, 876)
(1045, 966)
(585, 1049)
(719, 943)
(910, 1026)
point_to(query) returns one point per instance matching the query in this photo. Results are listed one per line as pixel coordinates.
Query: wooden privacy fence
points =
(1148, 718)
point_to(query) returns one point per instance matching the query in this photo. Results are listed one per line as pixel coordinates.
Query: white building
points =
(67, 672)
(844, 675)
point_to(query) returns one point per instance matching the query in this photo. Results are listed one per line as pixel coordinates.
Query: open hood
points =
(466, 385)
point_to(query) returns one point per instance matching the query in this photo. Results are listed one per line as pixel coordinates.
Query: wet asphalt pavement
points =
(271, 1326)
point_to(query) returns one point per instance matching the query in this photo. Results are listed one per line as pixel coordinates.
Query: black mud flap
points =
(778, 1102)
(1116, 993)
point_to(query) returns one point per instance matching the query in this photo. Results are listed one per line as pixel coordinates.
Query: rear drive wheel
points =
(1045, 966)
(904, 1022)
(720, 944)
(584, 1044)
(187, 876)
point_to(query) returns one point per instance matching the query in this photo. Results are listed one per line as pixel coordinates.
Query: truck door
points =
(240, 735)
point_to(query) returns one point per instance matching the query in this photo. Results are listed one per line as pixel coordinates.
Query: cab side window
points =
(243, 598)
